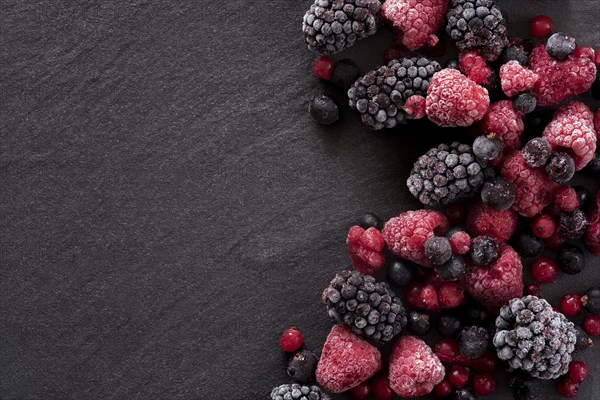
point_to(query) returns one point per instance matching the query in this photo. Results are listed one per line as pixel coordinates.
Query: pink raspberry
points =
(515, 78)
(418, 20)
(366, 249)
(560, 79)
(533, 188)
(506, 123)
(415, 107)
(475, 67)
(346, 361)
(495, 285)
(572, 130)
(485, 221)
(460, 242)
(592, 234)
(406, 234)
(414, 367)
(455, 100)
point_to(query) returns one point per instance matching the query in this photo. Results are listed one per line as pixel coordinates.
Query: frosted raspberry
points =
(515, 78)
(475, 67)
(560, 79)
(406, 234)
(346, 361)
(533, 189)
(506, 123)
(415, 107)
(485, 221)
(418, 20)
(414, 367)
(366, 249)
(495, 285)
(592, 234)
(572, 131)
(455, 100)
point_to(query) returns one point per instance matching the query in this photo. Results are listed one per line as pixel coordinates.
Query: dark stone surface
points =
(168, 207)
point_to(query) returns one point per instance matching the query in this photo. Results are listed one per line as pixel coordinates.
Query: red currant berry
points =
(591, 325)
(450, 295)
(322, 67)
(442, 389)
(578, 371)
(448, 352)
(566, 388)
(541, 26)
(380, 388)
(484, 384)
(543, 226)
(597, 58)
(456, 213)
(428, 298)
(533, 290)
(361, 392)
(544, 270)
(458, 376)
(291, 340)
(571, 305)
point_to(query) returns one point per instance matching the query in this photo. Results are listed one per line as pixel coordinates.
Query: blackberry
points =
(524, 103)
(302, 366)
(561, 168)
(346, 72)
(528, 245)
(446, 174)
(484, 250)
(418, 322)
(369, 220)
(473, 341)
(533, 337)
(572, 225)
(333, 25)
(591, 300)
(323, 109)
(560, 46)
(498, 194)
(477, 25)
(571, 259)
(438, 250)
(296, 391)
(583, 340)
(399, 273)
(380, 94)
(366, 306)
(487, 147)
(537, 152)
(453, 269)
(448, 325)
(524, 387)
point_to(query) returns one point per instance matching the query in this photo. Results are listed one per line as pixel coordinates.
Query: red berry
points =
(544, 270)
(442, 389)
(533, 290)
(566, 388)
(555, 242)
(591, 325)
(412, 294)
(566, 199)
(380, 388)
(456, 213)
(458, 376)
(291, 339)
(571, 305)
(485, 363)
(543, 226)
(460, 242)
(361, 392)
(428, 298)
(540, 26)
(578, 371)
(484, 384)
(450, 295)
(448, 352)
(597, 58)
(322, 67)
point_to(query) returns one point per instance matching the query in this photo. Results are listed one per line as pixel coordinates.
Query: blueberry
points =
(399, 273)
(571, 259)
(323, 109)
(302, 366)
(346, 72)
(561, 168)
(537, 152)
(418, 322)
(593, 167)
(484, 250)
(473, 341)
(528, 245)
(448, 325)
(560, 45)
(583, 340)
(525, 387)
(453, 269)
(487, 148)
(572, 225)
(498, 194)
(464, 394)
(514, 53)
(584, 196)
(369, 220)
(438, 250)
(524, 103)
(592, 300)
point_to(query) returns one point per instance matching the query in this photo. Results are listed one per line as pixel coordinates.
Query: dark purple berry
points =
(453, 269)
(323, 109)
(591, 300)
(302, 365)
(514, 53)
(560, 46)
(487, 148)
(464, 394)
(583, 341)
(572, 225)
(484, 250)
(448, 325)
(584, 196)
(561, 168)
(498, 194)
(528, 245)
(524, 103)
(346, 72)
(537, 152)
(418, 322)
(570, 259)
(400, 273)
(369, 220)
(438, 250)
(593, 167)
(473, 341)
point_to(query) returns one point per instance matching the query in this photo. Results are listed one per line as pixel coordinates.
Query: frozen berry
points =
(533, 290)
(484, 384)
(443, 389)
(571, 305)
(515, 78)
(361, 392)
(450, 295)
(487, 147)
(460, 241)
(323, 109)
(525, 387)
(290, 340)
(399, 273)
(448, 352)
(537, 152)
(498, 224)
(448, 325)
(515, 53)
(578, 371)
(323, 67)
(346, 72)
(591, 300)
(544, 270)
(572, 225)
(453, 269)
(524, 103)
(561, 168)
(566, 199)
(584, 197)
(555, 242)
(453, 63)
(418, 322)
(567, 388)
(506, 123)
(571, 259)
(591, 325)
(458, 376)
(464, 394)
(473, 341)
(583, 340)
(438, 250)
(365, 248)
(543, 226)
(560, 46)
(369, 220)
(498, 194)
(302, 365)
(473, 65)
(528, 245)
(484, 250)
(540, 26)
(380, 388)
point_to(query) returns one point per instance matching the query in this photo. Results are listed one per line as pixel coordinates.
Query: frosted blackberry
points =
(498, 194)
(333, 25)
(537, 152)
(446, 174)
(533, 337)
(477, 25)
(366, 306)
(296, 391)
(380, 94)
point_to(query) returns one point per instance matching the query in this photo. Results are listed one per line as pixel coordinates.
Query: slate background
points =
(167, 205)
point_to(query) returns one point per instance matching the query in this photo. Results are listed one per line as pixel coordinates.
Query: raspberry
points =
(495, 285)
(543, 226)
(533, 189)
(560, 79)
(592, 234)
(515, 78)
(366, 249)
(415, 107)
(474, 66)
(572, 129)
(455, 100)
(418, 20)
(290, 340)
(460, 242)
(484, 220)
(566, 199)
(597, 120)
(414, 368)
(406, 234)
(505, 122)
(323, 67)
(346, 361)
